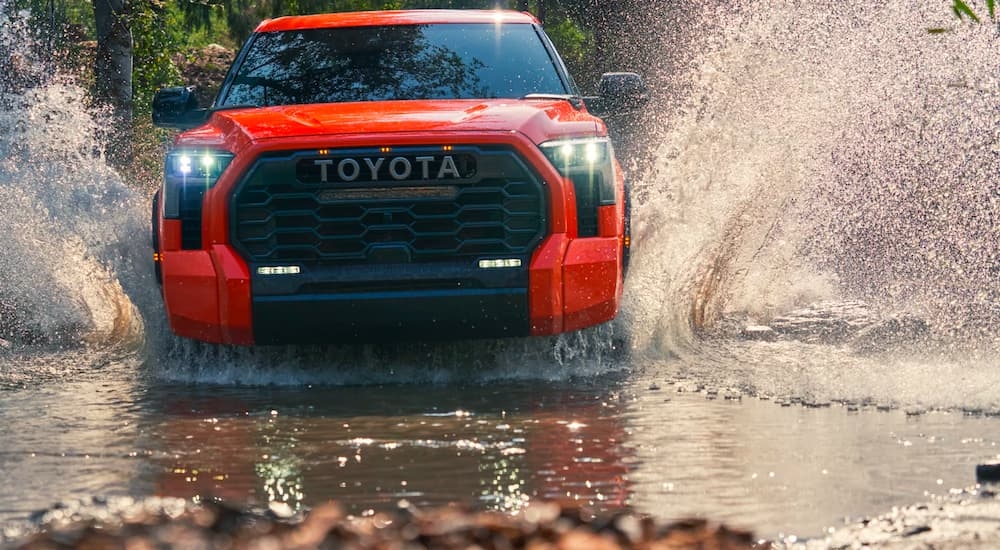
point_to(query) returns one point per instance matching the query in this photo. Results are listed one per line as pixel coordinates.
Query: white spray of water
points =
(65, 215)
(827, 151)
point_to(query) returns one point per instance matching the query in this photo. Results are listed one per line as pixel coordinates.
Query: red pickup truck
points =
(393, 174)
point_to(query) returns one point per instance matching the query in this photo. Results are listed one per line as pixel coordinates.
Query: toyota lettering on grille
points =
(385, 169)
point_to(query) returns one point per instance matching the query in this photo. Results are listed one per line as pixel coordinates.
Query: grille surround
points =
(499, 209)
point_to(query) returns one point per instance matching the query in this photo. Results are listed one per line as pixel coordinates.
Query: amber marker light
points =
(447, 148)
(385, 149)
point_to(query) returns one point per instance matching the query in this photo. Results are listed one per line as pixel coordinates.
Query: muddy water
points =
(811, 314)
(663, 445)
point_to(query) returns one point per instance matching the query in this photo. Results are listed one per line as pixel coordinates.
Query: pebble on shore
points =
(538, 527)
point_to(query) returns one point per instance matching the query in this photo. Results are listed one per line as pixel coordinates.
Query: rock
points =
(217, 525)
(689, 387)
(889, 333)
(916, 530)
(760, 332)
(823, 322)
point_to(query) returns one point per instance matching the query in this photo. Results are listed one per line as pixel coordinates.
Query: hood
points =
(539, 120)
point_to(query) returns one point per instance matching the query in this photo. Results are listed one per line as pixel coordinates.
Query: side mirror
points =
(622, 92)
(177, 107)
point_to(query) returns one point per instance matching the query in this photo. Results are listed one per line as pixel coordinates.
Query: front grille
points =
(496, 208)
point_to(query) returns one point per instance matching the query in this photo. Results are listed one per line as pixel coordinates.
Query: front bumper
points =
(214, 292)
(211, 296)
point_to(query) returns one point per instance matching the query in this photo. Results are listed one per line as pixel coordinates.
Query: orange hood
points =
(538, 120)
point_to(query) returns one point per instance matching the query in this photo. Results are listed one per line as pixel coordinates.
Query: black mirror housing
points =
(177, 107)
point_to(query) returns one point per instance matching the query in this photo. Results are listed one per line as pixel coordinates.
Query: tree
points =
(113, 72)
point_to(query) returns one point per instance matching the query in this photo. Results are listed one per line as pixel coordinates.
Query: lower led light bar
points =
(279, 270)
(503, 262)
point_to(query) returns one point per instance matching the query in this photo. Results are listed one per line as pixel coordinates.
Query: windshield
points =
(446, 61)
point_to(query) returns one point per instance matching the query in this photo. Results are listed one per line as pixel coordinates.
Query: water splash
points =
(825, 153)
(65, 217)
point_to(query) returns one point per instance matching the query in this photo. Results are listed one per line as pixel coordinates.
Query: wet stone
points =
(888, 333)
(824, 322)
(916, 530)
(762, 333)
(689, 387)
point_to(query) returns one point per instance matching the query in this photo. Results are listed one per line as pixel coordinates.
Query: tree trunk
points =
(113, 73)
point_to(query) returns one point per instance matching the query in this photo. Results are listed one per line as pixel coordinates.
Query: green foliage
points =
(575, 44)
(241, 16)
(211, 28)
(153, 49)
(964, 12)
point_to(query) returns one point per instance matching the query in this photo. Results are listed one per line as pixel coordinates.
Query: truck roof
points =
(393, 17)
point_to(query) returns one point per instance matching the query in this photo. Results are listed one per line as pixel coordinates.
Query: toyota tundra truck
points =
(389, 175)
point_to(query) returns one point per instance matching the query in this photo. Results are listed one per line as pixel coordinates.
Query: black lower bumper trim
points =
(390, 316)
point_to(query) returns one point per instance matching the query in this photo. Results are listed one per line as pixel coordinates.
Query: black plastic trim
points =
(390, 316)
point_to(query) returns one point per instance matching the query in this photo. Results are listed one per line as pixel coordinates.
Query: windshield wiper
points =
(235, 106)
(574, 100)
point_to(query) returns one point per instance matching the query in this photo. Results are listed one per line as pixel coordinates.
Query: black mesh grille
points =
(495, 209)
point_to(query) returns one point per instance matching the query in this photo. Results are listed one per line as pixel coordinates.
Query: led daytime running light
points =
(576, 154)
(188, 174)
(197, 164)
(588, 163)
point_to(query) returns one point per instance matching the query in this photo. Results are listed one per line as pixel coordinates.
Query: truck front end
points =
(387, 205)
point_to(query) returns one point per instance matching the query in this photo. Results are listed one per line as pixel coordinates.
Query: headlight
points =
(187, 175)
(589, 164)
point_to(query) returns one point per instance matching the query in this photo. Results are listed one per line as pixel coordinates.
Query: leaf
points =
(937, 30)
(991, 5)
(962, 10)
